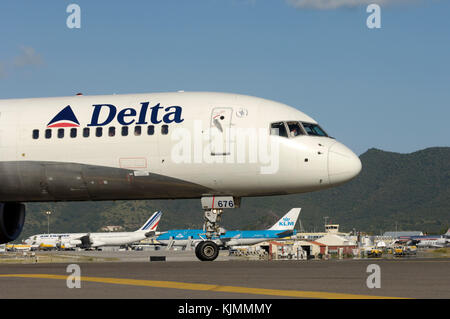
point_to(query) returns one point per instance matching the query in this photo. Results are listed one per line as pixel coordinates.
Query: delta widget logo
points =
(65, 118)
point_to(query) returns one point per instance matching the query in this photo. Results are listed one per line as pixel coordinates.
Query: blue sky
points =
(387, 88)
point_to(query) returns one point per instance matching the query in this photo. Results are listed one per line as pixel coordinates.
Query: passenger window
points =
(60, 133)
(99, 131)
(48, 133)
(278, 129)
(124, 130)
(294, 129)
(86, 132)
(112, 131)
(137, 130)
(35, 134)
(150, 130)
(164, 129)
(73, 132)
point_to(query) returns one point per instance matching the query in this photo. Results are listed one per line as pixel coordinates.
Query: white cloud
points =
(335, 4)
(28, 57)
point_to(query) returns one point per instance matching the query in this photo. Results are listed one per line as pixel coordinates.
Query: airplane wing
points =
(286, 233)
(150, 233)
(227, 239)
(86, 240)
(153, 233)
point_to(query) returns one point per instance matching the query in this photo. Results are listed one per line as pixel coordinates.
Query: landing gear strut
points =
(211, 225)
(208, 250)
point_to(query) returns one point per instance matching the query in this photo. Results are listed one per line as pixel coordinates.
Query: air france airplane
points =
(95, 240)
(281, 229)
(219, 147)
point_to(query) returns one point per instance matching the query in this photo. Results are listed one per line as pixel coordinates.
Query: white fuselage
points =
(93, 239)
(177, 145)
(439, 242)
(116, 239)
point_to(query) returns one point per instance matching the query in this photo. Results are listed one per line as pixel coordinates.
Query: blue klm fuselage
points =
(243, 236)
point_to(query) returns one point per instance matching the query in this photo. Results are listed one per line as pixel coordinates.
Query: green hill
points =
(410, 190)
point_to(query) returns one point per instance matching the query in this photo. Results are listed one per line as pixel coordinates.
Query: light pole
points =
(48, 213)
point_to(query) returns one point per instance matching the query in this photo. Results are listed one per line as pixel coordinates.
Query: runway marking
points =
(207, 287)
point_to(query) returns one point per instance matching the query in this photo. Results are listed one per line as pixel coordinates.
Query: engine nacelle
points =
(97, 243)
(75, 242)
(12, 218)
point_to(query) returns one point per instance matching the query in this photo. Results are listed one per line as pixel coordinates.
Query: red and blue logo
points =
(65, 118)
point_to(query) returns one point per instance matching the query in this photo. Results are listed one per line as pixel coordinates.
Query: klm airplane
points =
(282, 228)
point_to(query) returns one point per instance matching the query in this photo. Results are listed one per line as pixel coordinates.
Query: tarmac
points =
(131, 274)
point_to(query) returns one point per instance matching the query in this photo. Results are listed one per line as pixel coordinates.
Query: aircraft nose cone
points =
(343, 164)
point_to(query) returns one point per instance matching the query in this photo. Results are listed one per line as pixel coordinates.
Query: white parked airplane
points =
(95, 240)
(215, 146)
(437, 241)
(433, 243)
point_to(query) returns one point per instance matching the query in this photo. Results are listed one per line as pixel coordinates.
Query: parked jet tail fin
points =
(288, 221)
(152, 222)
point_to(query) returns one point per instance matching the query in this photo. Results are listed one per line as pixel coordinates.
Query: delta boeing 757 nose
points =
(343, 164)
(218, 147)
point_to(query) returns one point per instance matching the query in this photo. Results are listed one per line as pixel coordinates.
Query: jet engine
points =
(12, 218)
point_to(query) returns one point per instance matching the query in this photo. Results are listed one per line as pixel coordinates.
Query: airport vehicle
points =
(411, 250)
(399, 251)
(188, 237)
(218, 147)
(374, 253)
(95, 240)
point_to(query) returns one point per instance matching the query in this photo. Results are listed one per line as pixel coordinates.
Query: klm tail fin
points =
(152, 222)
(288, 221)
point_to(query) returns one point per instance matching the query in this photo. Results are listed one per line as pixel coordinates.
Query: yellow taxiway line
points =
(206, 287)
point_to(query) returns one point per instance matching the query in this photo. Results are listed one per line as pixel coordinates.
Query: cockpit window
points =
(278, 129)
(295, 129)
(313, 129)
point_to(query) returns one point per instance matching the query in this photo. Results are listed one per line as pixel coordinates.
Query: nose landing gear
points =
(208, 250)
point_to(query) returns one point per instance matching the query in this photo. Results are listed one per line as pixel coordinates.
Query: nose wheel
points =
(207, 250)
